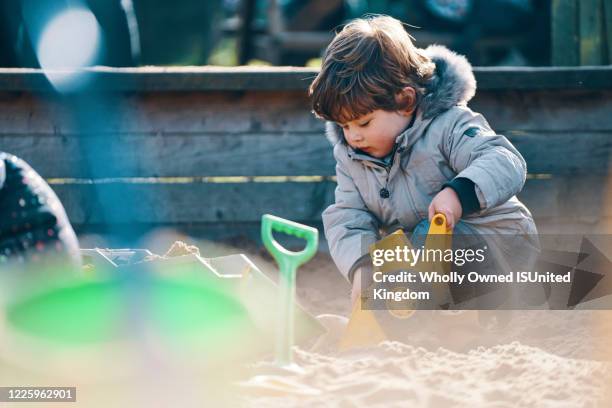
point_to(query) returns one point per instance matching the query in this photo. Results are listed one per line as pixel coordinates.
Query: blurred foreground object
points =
(33, 225)
(130, 32)
(187, 321)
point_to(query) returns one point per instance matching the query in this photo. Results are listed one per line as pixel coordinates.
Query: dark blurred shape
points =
(15, 47)
(311, 15)
(488, 32)
(112, 19)
(245, 32)
(149, 32)
(33, 225)
(23, 21)
(581, 32)
(495, 28)
(179, 32)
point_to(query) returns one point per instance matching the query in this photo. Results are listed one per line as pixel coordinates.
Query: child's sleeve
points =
(490, 161)
(350, 228)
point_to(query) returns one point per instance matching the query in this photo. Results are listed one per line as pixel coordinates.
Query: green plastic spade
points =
(288, 262)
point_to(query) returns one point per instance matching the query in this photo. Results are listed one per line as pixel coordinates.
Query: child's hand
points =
(447, 203)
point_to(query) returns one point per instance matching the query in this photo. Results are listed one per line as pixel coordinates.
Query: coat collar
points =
(453, 83)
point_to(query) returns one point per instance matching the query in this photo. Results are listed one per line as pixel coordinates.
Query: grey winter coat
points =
(446, 140)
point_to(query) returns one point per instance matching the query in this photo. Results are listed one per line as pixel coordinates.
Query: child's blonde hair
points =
(364, 67)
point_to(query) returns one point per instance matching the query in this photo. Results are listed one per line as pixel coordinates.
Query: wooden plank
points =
(121, 203)
(255, 112)
(262, 154)
(561, 198)
(170, 204)
(174, 155)
(608, 28)
(575, 154)
(194, 79)
(536, 78)
(169, 79)
(578, 111)
(214, 112)
(574, 226)
(591, 29)
(565, 38)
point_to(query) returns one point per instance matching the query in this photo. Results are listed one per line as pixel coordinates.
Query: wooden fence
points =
(581, 32)
(210, 150)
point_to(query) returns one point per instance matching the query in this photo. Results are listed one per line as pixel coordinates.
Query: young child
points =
(407, 146)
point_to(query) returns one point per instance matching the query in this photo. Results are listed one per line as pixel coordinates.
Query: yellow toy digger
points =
(368, 327)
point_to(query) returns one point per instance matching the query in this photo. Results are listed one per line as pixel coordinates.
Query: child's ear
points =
(406, 99)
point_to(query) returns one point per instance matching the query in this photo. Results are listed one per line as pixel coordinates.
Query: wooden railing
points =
(209, 150)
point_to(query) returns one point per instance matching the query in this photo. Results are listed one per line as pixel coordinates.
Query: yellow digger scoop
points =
(364, 327)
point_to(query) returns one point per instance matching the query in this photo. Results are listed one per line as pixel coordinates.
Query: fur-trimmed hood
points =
(453, 83)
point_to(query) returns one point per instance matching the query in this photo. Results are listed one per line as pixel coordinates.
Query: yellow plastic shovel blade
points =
(362, 331)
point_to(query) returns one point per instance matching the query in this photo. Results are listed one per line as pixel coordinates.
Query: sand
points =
(541, 359)
(396, 374)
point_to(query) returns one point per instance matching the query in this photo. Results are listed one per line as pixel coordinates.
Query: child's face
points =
(375, 132)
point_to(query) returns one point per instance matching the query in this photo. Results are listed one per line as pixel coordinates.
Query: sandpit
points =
(396, 374)
(541, 359)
